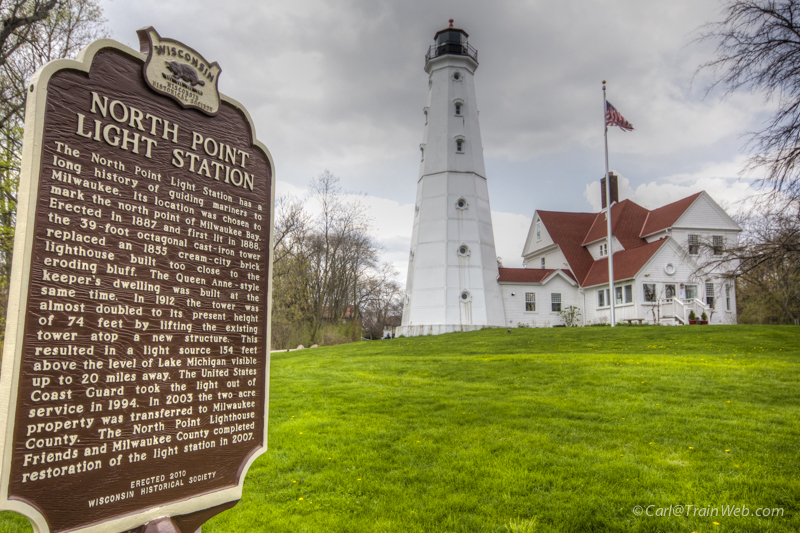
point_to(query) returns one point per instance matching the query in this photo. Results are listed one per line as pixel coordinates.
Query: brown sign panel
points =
(136, 364)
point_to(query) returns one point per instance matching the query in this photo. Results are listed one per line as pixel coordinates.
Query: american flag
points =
(613, 118)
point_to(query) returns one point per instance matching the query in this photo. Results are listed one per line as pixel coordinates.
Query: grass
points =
(537, 430)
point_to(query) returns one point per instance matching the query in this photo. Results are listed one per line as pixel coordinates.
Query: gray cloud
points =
(340, 85)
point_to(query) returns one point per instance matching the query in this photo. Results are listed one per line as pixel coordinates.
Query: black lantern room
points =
(451, 41)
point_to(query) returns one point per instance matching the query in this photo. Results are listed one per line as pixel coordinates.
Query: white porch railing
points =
(679, 310)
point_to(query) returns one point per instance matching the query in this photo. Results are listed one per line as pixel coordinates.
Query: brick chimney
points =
(614, 186)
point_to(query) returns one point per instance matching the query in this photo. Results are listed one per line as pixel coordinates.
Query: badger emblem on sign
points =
(182, 71)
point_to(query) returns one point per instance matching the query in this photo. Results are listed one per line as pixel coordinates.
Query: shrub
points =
(570, 315)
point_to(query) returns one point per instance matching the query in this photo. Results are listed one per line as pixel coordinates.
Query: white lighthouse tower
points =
(452, 271)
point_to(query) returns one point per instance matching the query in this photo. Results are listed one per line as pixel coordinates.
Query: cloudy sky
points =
(340, 85)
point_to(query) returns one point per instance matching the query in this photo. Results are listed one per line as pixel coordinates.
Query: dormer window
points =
(603, 250)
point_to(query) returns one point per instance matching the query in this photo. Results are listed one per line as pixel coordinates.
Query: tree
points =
(33, 33)
(758, 46)
(381, 299)
(328, 281)
(764, 263)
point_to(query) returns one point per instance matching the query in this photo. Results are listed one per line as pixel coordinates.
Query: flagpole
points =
(611, 293)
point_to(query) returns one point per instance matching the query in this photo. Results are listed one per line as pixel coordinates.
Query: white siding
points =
(543, 316)
(705, 214)
(533, 244)
(594, 248)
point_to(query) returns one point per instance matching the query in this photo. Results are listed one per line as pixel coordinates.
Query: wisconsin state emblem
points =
(175, 70)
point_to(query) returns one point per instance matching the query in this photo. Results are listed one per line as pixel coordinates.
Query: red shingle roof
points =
(528, 275)
(568, 231)
(627, 263)
(665, 217)
(627, 219)
(572, 232)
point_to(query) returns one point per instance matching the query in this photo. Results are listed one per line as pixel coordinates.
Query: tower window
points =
(460, 145)
(463, 250)
(458, 109)
(462, 204)
(457, 76)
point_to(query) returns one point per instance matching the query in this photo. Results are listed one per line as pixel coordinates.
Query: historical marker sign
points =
(136, 365)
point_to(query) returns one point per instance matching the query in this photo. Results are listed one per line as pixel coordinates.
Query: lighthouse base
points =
(437, 329)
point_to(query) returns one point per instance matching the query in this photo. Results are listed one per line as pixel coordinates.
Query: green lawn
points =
(536, 430)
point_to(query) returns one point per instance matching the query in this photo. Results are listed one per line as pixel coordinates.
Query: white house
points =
(657, 255)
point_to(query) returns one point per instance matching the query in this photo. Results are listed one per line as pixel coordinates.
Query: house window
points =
(555, 302)
(622, 295)
(538, 231)
(669, 291)
(649, 292)
(604, 250)
(542, 262)
(602, 298)
(694, 244)
(716, 242)
(530, 301)
(691, 292)
(727, 297)
(426, 117)
(710, 294)
(458, 108)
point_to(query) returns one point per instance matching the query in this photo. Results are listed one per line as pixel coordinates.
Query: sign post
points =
(135, 372)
